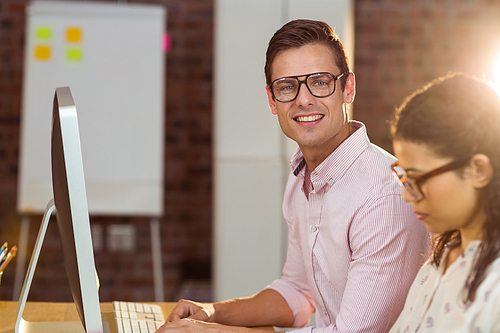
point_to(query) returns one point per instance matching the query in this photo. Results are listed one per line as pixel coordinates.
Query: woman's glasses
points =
(412, 185)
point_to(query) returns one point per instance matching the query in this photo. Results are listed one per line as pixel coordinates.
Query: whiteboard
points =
(111, 56)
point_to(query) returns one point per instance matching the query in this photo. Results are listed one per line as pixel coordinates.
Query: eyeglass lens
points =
(319, 85)
(408, 183)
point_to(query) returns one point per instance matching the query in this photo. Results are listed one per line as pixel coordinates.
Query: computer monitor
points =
(70, 200)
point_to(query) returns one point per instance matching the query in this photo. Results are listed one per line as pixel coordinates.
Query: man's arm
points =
(267, 308)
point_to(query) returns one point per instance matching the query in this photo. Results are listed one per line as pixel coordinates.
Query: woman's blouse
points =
(435, 300)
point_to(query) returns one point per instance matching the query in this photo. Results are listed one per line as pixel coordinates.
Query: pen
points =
(9, 257)
(3, 251)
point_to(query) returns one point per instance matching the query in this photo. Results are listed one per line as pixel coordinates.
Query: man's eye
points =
(286, 87)
(319, 83)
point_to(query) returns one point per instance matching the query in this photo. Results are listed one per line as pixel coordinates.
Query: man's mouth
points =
(302, 119)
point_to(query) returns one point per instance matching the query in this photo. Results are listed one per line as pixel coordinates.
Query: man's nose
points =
(304, 96)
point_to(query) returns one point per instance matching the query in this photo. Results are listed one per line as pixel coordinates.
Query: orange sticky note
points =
(42, 52)
(73, 34)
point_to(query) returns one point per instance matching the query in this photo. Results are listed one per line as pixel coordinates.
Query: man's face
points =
(314, 123)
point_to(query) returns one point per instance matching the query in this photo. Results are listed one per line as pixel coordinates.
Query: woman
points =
(446, 137)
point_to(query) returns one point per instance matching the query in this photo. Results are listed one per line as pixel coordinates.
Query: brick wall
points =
(186, 226)
(400, 45)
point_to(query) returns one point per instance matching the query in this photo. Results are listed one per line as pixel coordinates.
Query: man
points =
(354, 246)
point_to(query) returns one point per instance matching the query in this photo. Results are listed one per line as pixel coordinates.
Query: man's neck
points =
(314, 156)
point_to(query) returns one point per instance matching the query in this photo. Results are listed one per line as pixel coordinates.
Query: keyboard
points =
(132, 317)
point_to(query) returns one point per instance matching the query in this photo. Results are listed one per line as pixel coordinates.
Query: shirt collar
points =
(338, 162)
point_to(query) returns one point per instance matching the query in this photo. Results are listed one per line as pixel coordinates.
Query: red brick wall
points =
(186, 226)
(400, 45)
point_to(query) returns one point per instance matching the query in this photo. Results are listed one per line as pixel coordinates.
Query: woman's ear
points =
(481, 170)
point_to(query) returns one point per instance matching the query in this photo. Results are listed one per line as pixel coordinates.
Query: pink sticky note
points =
(167, 42)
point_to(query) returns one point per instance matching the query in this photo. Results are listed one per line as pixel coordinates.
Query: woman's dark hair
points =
(458, 116)
(302, 32)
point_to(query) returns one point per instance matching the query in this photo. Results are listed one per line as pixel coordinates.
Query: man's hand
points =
(192, 310)
(195, 326)
(267, 308)
(187, 325)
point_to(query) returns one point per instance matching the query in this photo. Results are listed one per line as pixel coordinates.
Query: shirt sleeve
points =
(388, 247)
(293, 285)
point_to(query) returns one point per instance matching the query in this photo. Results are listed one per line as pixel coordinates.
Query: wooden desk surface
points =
(45, 311)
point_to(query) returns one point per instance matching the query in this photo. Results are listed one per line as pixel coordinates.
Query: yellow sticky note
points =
(74, 54)
(42, 52)
(73, 34)
(43, 32)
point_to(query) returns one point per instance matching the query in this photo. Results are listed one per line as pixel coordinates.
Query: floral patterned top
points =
(434, 302)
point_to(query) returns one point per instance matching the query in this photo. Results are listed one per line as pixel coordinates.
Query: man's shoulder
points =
(375, 161)
(371, 176)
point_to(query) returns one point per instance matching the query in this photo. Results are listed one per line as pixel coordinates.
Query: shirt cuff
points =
(301, 307)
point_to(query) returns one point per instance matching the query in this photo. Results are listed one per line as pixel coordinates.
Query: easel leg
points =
(157, 261)
(21, 256)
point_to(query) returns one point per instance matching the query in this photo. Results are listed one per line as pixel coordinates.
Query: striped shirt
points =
(354, 246)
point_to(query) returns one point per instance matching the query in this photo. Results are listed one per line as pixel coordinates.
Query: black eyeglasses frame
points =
(300, 82)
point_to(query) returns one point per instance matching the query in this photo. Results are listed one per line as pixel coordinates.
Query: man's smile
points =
(312, 118)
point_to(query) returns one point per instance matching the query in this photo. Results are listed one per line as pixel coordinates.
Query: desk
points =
(45, 311)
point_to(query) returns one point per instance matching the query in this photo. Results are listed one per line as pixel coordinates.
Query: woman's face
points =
(451, 200)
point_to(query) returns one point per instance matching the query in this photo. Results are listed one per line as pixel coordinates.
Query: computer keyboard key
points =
(131, 307)
(123, 306)
(143, 326)
(127, 328)
(151, 326)
(156, 308)
(119, 325)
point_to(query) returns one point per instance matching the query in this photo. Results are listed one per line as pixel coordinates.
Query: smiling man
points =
(354, 246)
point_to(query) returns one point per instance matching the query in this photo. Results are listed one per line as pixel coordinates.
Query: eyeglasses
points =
(286, 89)
(412, 185)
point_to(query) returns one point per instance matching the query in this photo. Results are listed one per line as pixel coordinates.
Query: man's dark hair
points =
(302, 32)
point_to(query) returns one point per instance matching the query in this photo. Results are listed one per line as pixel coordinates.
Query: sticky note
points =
(43, 32)
(73, 34)
(167, 42)
(74, 54)
(42, 52)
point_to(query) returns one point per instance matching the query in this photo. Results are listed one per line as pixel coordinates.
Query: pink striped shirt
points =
(354, 246)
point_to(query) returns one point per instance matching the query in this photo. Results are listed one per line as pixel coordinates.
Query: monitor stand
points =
(23, 326)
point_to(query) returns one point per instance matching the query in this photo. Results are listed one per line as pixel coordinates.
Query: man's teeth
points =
(309, 118)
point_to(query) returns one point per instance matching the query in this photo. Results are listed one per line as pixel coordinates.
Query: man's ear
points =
(481, 170)
(350, 88)
(271, 101)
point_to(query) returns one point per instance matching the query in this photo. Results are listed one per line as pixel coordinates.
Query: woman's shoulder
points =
(483, 315)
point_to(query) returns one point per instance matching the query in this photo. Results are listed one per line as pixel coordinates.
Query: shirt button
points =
(314, 228)
(330, 181)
